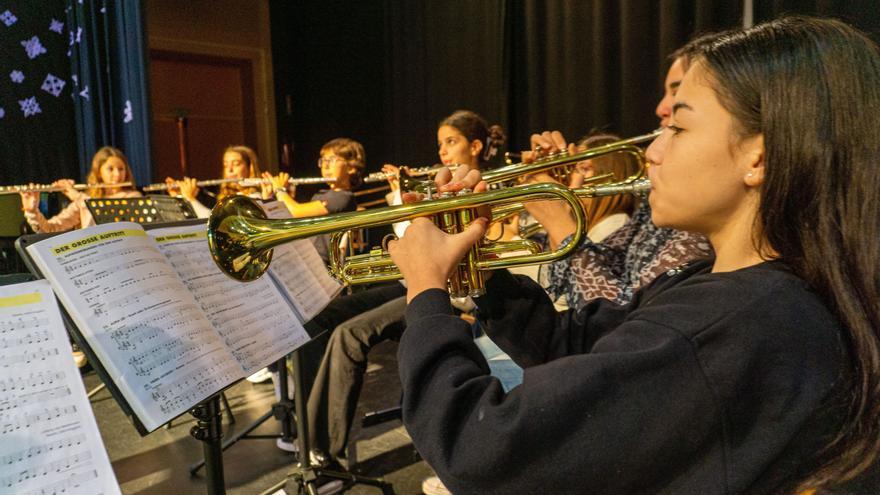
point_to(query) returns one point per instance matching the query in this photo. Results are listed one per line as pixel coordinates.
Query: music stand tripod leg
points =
(282, 411)
(209, 430)
(303, 478)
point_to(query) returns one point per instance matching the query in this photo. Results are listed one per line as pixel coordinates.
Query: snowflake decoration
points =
(8, 18)
(33, 47)
(85, 93)
(75, 79)
(57, 26)
(17, 76)
(129, 116)
(2, 113)
(30, 106)
(79, 32)
(53, 85)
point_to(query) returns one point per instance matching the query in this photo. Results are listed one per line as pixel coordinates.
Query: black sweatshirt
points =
(706, 383)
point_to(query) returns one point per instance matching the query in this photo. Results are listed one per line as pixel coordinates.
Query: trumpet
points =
(245, 182)
(241, 238)
(561, 164)
(50, 188)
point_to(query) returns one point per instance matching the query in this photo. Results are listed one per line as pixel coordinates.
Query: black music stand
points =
(209, 427)
(282, 410)
(304, 476)
(144, 210)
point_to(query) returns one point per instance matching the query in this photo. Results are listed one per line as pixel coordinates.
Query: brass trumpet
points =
(241, 238)
(561, 164)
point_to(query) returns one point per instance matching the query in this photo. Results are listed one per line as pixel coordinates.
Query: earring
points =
(749, 174)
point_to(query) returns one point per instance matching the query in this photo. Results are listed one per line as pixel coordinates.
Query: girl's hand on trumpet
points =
(546, 143)
(425, 254)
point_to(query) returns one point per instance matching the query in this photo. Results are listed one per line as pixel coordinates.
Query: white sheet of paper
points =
(254, 320)
(300, 271)
(49, 440)
(141, 321)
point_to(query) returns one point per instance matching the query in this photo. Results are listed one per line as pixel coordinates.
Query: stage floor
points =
(159, 463)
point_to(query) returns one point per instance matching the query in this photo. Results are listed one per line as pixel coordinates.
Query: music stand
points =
(143, 210)
(207, 412)
(303, 478)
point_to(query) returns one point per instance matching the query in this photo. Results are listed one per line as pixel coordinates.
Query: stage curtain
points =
(38, 141)
(109, 77)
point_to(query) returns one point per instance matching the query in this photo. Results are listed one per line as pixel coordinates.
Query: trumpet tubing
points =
(561, 164)
(241, 238)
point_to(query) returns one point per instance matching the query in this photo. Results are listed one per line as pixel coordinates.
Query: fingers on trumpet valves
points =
(388, 239)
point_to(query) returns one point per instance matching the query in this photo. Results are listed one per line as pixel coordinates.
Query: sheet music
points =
(309, 289)
(254, 320)
(138, 317)
(49, 440)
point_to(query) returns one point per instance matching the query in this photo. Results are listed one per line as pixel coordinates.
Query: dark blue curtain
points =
(37, 138)
(109, 74)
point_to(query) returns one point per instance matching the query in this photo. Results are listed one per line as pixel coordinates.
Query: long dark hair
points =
(812, 87)
(474, 127)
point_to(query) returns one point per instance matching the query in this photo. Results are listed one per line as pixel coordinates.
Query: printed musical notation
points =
(310, 289)
(135, 313)
(49, 441)
(254, 320)
(299, 270)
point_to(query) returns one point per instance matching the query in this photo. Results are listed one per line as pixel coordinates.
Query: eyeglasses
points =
(322, 162)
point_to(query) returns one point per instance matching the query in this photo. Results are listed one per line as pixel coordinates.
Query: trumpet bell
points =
(230, 228)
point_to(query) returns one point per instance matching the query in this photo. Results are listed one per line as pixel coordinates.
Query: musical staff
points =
(309, 290)
(137, 315)
(254, 321)
(49, 441)
(25, 455)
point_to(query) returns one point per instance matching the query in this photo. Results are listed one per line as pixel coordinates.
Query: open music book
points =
(49, 441)
(167, 325)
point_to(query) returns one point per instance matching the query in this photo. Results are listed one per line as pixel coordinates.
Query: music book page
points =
(49, 440)
(138, 317)
(254, 320)
(309, 290)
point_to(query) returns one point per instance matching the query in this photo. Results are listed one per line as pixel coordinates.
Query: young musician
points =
(342, 160)
(365, 318)
(755, 372)
(239, 162)
(631, 256)
(109, 166)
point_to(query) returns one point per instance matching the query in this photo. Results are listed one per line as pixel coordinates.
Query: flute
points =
(408, 172)
(246, 182)
(50, 188)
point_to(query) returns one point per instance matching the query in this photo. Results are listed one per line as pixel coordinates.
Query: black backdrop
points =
(384, 72)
